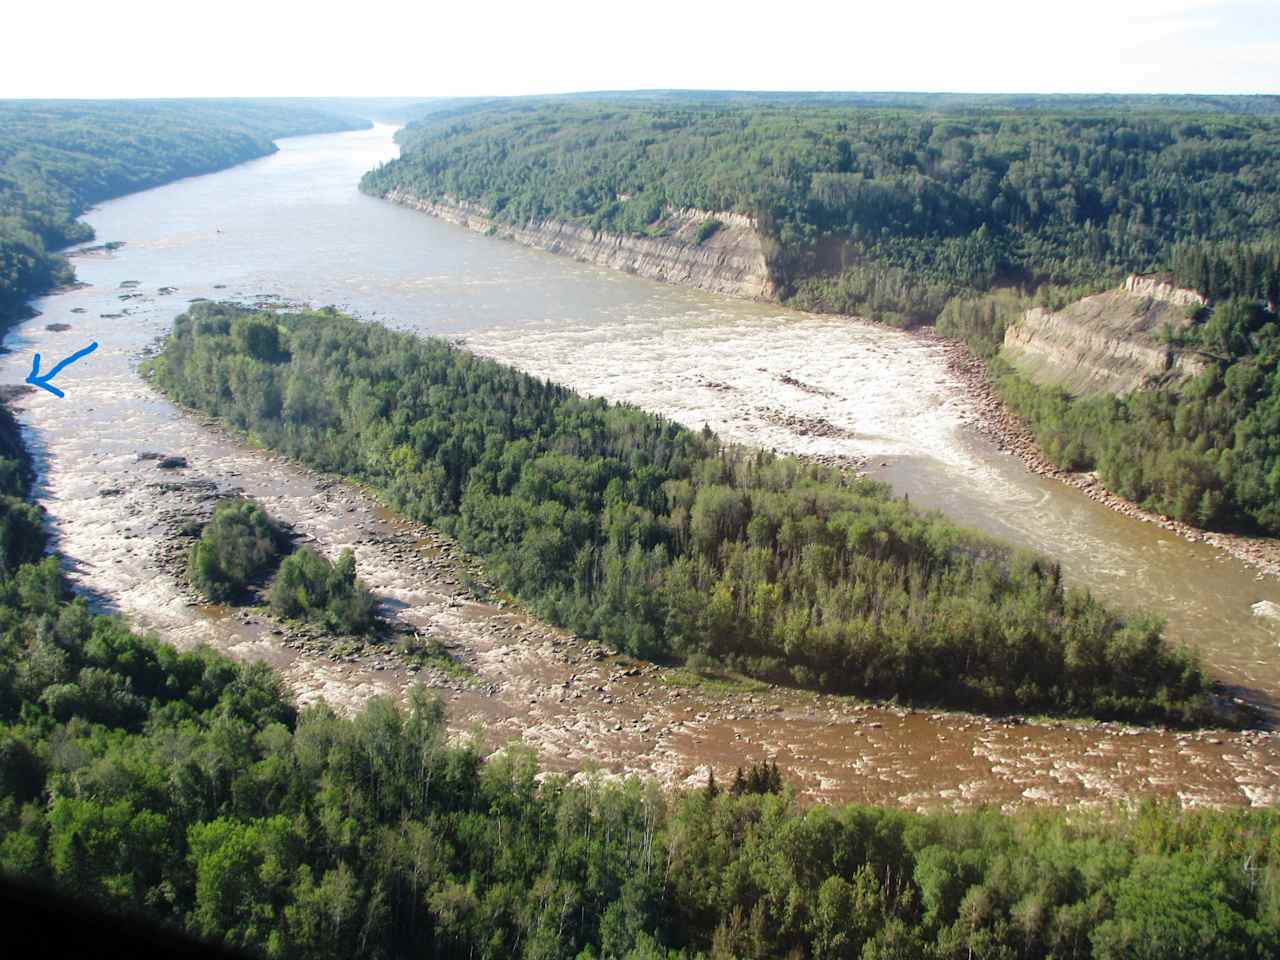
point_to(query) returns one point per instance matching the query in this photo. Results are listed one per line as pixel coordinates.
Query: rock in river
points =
(1266, 608)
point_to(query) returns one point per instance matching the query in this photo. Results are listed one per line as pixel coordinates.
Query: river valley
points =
(293, 228)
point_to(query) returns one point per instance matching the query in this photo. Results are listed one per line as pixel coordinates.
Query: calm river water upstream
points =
(293, 227)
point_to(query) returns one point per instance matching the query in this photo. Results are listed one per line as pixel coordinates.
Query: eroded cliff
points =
(1112, 342)
(730, 261)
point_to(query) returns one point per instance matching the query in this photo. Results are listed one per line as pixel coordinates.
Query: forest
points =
(887, 212)
(190, 791)
(1207, 451)
(666, 543)
(59, 157)
(956, 211)
(1265, 105)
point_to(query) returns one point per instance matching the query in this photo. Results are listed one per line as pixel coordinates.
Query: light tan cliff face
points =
(731, 261)
(1159, 289)
(1107, 343)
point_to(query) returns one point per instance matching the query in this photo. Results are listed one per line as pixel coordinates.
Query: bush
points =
(708, 229)
(22, 538)
(309, 587)
(237, 544)
(258, 338)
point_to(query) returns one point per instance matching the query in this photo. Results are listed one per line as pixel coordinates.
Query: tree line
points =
(663, 541)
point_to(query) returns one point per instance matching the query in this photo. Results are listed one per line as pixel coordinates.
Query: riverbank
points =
(587, 710)
(580, 706)
(729, 260)
(702, 359)
(59, 159)
(995, 421)
(991, 417)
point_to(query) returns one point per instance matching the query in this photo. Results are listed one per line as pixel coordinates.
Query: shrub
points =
(708, 229)
(237, 544)
(309, 587)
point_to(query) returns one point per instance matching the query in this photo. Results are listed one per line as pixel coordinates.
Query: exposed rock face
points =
(1162, 290)
(731, 261)
(1107, 343)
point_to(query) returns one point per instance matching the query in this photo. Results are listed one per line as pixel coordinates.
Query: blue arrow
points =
(34, 376)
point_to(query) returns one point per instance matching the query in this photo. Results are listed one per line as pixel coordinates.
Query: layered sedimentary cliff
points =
(730, 261)
(1156, 288)
(1112, 342)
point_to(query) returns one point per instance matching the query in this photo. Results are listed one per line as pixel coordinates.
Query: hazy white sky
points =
(141, 48)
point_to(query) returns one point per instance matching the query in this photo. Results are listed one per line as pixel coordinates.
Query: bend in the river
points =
(293, 227)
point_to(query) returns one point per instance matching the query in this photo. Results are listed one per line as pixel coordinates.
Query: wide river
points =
(293, 226)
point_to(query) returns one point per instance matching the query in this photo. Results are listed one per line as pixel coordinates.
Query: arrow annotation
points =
(36, 379)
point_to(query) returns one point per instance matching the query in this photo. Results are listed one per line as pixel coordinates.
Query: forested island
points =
(187, 790)
(665, 542)
(59, 157)
(959, 211)
(241, 545)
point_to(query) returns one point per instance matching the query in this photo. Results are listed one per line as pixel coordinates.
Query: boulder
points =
(1266, 608)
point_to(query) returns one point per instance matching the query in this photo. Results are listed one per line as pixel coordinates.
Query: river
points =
(292, 227)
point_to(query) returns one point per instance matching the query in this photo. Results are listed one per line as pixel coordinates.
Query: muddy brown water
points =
(293, 228)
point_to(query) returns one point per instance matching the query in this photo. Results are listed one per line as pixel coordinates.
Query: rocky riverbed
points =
(506, 676)
(292, 227)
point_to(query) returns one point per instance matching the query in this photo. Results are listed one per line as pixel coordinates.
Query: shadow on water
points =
(99, 601)
(1260, 707)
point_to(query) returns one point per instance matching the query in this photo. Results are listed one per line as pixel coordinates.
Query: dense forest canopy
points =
(59, 157)
(190, 790)
(958, 210)
(871, 209)
(630, 528)
(942, 101)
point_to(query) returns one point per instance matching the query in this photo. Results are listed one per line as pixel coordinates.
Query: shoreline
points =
(730, 262)
(581, 704)
(582, 712)
(997, 423)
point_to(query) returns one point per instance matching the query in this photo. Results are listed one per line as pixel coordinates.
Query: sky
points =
(176, 48)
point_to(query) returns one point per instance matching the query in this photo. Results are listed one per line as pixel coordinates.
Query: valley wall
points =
(731, 261)
(1112, 342)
